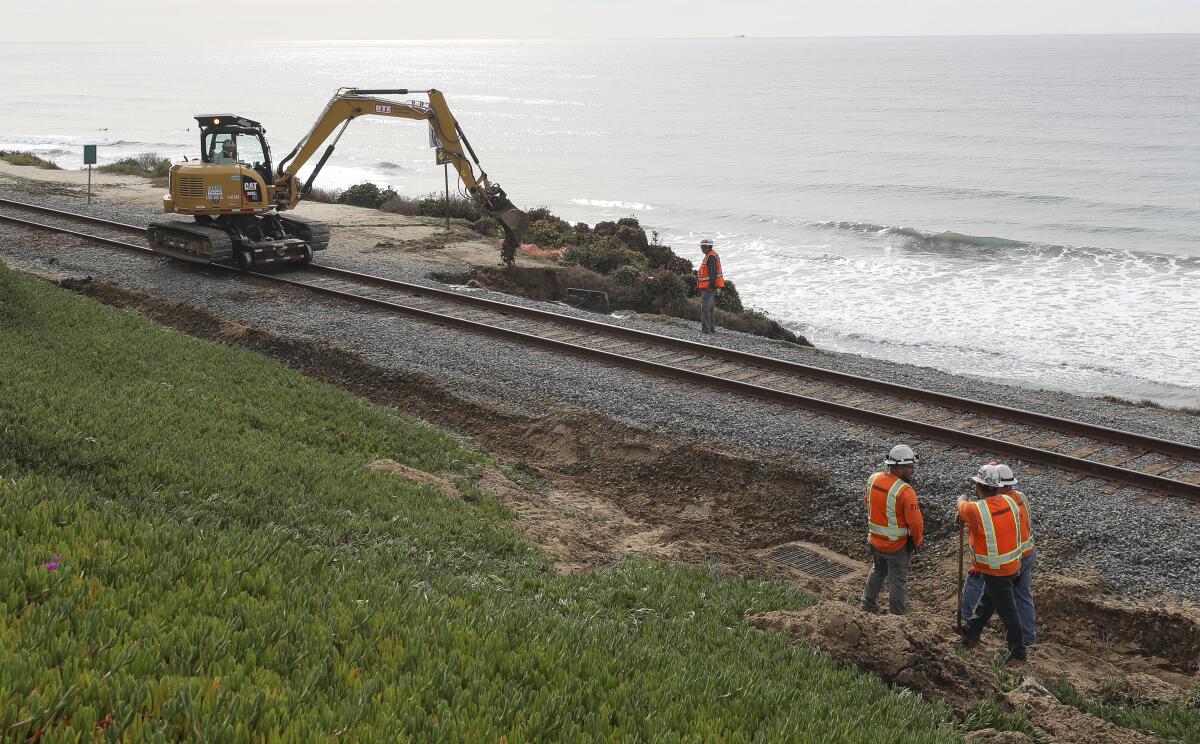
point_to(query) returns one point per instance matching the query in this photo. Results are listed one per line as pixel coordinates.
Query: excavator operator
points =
(228, 153)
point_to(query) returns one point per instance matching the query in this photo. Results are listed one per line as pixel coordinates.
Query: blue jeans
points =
(1022, 593)
(998, 599)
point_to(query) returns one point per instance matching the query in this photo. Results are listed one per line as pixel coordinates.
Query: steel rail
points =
(951, 436)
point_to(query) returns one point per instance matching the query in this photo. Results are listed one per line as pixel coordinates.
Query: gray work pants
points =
(708, 311)
(892, 567)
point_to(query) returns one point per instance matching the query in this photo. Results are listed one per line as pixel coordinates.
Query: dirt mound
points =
(1074, 608)
(581, 530)
(1066, 725)
(535, 282)
(992, 736)
(906, 650)
(917, 652)
(759, 502)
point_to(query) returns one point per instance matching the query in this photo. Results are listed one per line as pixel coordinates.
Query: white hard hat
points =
(901, 454)
(706, 242)
(1007, 476)
(988, 475)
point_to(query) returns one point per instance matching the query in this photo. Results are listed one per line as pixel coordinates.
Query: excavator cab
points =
(233, 140)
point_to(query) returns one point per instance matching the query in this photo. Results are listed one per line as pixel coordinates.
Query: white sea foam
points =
(613, 204)
(1013, 315)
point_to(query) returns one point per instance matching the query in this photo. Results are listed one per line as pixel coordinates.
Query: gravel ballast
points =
(1137, 547)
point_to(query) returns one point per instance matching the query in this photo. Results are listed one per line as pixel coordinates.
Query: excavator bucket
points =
(514, 221)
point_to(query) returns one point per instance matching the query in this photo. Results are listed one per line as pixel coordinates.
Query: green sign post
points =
(89, 159)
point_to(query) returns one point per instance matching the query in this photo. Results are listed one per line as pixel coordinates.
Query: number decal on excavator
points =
(250, 189)
(382, 109)
(216, 193)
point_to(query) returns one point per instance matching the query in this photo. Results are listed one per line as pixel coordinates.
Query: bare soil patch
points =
(917, 652)
(419, 477)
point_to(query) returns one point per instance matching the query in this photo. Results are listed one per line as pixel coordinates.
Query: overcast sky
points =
(72, 20)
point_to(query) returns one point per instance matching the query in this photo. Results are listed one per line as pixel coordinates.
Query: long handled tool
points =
(962, 528)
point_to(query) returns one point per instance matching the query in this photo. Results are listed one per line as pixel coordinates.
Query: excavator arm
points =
(452, 148)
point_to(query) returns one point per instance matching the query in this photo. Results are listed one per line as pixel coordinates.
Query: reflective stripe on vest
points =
(1026, 542)
(893, 531)
(702, 278)
(994, 558)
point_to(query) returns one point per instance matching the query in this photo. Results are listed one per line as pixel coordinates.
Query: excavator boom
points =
(451, 143)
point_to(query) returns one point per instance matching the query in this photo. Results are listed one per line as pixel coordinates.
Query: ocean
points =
(1024, 209)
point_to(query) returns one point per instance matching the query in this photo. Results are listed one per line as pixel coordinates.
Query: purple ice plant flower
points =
(53, 564)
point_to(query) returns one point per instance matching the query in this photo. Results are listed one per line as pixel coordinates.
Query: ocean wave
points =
(613, 204)
(961, 245)
(964, 193)
(139, 143)
(56, 140)
(940, 239)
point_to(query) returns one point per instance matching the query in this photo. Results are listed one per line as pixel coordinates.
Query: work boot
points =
(969, 641)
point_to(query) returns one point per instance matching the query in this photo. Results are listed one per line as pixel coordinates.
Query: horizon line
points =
(117, 39)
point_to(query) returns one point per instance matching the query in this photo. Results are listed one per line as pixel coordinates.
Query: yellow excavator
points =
(236, 200)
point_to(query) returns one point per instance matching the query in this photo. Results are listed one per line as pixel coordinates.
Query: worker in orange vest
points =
(994, 521)
(709, 279)
(895, 528)
(1023, 588)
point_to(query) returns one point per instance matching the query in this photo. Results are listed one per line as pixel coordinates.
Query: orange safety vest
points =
(702, 278)
(1026, 527)
(996, 534)
(887, 526)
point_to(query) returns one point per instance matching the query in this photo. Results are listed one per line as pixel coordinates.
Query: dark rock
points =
(588, 299)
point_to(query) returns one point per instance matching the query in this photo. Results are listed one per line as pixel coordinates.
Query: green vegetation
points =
(641, 274)
(464, 211)
(434, 205)
(194, 548)
(146, 165)
(636, 272)
(26, 158)
(365, 195)
(323, 196)
(991, 714)
(1117, 704)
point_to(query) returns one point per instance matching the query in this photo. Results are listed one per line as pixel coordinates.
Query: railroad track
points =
(947, 423)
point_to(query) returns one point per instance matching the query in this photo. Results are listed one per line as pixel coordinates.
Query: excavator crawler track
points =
(190, 241)
(315, 233)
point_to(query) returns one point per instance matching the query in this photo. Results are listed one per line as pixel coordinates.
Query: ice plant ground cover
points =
(227, 569)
